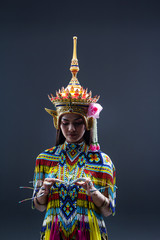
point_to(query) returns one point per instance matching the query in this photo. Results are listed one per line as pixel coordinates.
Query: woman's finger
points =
(47, 183)
(50, 179)
(80, 183)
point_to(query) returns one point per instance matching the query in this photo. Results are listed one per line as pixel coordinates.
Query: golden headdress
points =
(73, 98)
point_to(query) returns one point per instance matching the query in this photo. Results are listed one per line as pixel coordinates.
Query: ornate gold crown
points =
(73, 98)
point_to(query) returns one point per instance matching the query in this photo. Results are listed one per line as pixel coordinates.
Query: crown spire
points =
(74, 62)
(74, 92)
(74, 68)
(74, 47)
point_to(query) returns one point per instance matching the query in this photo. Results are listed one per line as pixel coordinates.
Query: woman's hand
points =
(87, 184)
(100, 200)
(41, 197)
(47, 184)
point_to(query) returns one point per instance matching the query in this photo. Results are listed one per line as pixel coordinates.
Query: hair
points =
(60, 139)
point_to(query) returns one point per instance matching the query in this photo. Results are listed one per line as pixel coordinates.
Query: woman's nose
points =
(71, 127)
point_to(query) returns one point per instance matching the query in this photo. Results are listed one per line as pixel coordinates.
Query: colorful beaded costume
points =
(71, 213)
(69, 206)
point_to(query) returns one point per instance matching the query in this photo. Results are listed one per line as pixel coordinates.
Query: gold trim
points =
(53, 113)
(56, 116)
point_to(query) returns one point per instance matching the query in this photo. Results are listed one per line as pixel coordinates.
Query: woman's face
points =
(73, 127)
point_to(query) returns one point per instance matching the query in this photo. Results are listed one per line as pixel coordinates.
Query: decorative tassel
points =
(54, 235)
(94, 228)
(82, 232)
(94, 110)
(47, 234)
(94, 146)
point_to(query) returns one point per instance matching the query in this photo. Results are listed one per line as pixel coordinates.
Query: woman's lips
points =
(72, 134)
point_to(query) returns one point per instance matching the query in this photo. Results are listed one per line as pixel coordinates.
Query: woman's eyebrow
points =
(65, 119)
(79, 118)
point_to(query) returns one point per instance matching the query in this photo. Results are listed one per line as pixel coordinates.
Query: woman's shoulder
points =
(106, 159)
(50, 153)
(99, 157)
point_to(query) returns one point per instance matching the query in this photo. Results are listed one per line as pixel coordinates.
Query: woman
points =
(74, 181)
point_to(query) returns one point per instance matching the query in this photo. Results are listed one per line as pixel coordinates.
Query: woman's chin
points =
(73, 139)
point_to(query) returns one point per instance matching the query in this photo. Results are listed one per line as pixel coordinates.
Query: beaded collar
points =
(73, 150)
(72, 146)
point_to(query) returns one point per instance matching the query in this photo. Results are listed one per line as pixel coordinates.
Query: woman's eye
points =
(64, 123)
(78, 123)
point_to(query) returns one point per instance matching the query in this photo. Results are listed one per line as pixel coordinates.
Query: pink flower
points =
(98, 147)
(94, 147)
(94, 110)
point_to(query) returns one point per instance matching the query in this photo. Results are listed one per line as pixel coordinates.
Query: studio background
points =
(119, 58)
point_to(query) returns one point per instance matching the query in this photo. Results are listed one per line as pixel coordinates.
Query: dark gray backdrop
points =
(118, 53)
